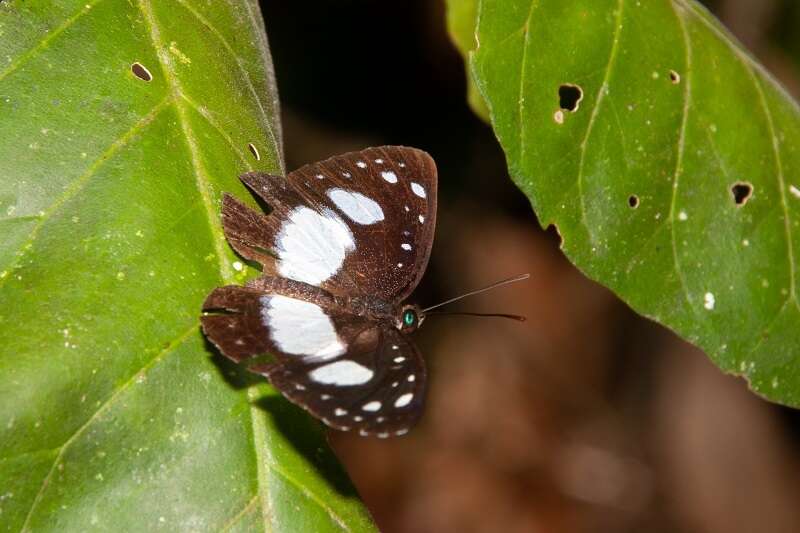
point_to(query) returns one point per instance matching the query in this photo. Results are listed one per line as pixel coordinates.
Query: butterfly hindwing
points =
(377, 389)
(280, 317)
(350, 372)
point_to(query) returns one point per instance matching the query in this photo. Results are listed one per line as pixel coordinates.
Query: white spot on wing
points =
(405, 246)
(399, 359)
(361, 164)
(300, 328)
(418, 189)
(341, 373)
(421, 219)
(373, 406)
(379, 161)
(356, 206)
(389, 176)
(339, 411)
(403, 400)
(312, 246)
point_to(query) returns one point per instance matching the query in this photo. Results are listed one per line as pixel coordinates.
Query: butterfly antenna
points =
(519, 318)
(478, 291)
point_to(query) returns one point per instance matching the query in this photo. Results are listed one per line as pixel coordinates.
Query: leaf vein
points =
(312, 496)
(78, 183)
(787, 223)
(175, 343)
(206, 115)
(274, 146)
(523, 76)
(41, 45)
(601, 93)
(259, 433)
(681, 148)
(241, 514)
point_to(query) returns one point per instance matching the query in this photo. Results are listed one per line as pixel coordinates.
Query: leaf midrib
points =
(226, 272)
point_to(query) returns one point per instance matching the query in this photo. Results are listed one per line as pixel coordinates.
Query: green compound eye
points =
(409, 317)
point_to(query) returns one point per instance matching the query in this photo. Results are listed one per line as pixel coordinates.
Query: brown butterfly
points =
(346, 242)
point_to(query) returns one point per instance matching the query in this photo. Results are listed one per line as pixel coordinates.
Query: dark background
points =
(586, 417)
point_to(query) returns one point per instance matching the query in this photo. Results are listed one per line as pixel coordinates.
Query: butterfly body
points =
(345, 243)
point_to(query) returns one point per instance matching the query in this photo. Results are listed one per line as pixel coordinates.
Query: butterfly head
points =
(409, 318)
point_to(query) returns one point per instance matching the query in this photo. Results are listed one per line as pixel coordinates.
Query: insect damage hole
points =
(633, 201)
(569, 97)
(141, 72)
(254, 151)
(741, 191)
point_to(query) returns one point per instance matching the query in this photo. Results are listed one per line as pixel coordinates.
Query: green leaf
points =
(461, 17)
(114, 415)
(639, 179)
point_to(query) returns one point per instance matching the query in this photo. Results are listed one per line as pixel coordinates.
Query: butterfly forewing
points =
(359, 223)
(387, 196)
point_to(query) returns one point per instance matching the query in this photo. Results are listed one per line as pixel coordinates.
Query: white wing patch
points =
(300, 328)
(312, 246)
(372, 406)
(418, 189)
(342, 373)
(389, 176)
(404, 400)
(356, 206)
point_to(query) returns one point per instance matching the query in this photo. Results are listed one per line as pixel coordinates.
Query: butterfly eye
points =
(409, 317)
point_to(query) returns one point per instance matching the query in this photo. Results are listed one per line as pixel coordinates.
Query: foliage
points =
(113, 412)
(667, 159)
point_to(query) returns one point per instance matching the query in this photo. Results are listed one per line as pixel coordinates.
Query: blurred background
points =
(586, 417)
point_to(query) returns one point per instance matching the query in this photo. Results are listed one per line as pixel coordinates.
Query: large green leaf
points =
(461, 17)
(640, 178)
(113, 413)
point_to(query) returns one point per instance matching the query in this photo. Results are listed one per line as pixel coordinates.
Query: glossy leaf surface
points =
(122, 123)
(667, 159)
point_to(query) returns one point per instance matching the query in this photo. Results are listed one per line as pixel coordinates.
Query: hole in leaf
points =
(741, 191)
(254, 151)
(674, 77)
(569, 97)
(554, 234)
(633, 201)
(141, 72)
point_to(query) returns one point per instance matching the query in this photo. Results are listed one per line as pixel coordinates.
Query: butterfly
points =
(345, 243)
